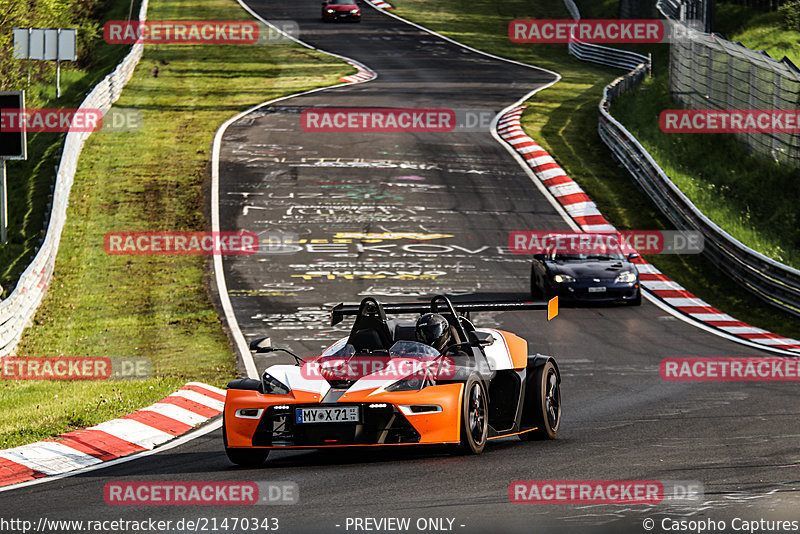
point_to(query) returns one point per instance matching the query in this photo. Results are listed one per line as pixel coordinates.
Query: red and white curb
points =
(584, 212)
(380, 4)
(172, 416)
(364, 74)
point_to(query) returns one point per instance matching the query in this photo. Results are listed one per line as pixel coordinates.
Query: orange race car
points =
(434, 380)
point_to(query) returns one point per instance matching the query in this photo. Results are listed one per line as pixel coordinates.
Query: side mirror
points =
(261, 345)
(484, 339)
(633, 256)
(538, 257)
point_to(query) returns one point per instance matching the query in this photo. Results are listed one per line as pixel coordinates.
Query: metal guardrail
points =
(771, 281)
(17, 311)
(603, 55)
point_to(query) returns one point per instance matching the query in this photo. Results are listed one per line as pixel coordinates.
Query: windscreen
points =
(412, 349)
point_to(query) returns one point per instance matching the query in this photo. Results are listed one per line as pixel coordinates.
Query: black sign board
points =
(12, 130)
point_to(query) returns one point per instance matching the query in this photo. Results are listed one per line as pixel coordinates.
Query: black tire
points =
(543, 402)
(637, 301)
(474, 417)
(243, 457)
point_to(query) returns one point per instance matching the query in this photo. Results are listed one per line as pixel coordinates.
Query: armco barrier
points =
(603, 55)
(771, 281)
(18, 309)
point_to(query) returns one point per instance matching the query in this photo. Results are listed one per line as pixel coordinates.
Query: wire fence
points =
(773, 282)
(708, 72)
(17, 311)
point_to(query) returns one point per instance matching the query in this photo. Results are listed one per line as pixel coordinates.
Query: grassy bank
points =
(751, 197)
(150, 179)
(563, 119)
(758, 30)
(30, 182)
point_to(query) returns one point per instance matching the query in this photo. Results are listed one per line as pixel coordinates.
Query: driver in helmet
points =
(434, 330)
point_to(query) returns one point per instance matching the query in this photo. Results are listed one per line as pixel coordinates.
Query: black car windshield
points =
(589, 257)
(341, 2)
(412, 349)
(401, 349)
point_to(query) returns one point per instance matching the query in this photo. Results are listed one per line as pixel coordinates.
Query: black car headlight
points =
(563, 278)
(411, 384)
(272, 385)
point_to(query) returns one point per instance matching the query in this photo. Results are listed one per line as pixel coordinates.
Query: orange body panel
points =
(438, 427)
(240, 431)
(433, 427)
(518, 348)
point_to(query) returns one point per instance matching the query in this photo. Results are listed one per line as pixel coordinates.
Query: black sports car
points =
(586, 277)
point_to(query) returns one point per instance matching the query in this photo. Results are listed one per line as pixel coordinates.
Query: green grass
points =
(752, 198)
(759, 31)
(563, 119)
(152, 179)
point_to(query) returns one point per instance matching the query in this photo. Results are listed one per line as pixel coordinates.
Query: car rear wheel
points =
(243, 457)
(543, 403)
(474, 417)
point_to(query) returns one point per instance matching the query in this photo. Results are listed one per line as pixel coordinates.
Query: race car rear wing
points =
(371, 306)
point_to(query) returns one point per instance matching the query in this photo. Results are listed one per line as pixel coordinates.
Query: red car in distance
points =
(333, 10)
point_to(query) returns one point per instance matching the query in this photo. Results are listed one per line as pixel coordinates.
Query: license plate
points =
(599, 289)
(338, 414)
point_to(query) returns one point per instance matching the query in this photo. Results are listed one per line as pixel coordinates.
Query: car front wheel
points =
(474, 417)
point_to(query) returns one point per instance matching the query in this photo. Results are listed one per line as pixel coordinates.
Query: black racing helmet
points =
(434, 330)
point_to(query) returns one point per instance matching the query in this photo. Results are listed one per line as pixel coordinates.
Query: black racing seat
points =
(370, 330)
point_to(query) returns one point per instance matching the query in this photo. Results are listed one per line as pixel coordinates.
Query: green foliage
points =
(80, 14)
(790, 11)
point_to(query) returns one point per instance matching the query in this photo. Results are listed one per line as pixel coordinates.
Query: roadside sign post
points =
(13, 145)
(47, 44)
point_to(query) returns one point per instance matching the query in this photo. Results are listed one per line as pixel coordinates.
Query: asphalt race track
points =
(350, 200)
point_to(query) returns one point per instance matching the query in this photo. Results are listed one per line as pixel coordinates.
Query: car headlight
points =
(563, 278)
(354, 11)
(625, 278)
(411, 384)
(331, 11)
(273, 386)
